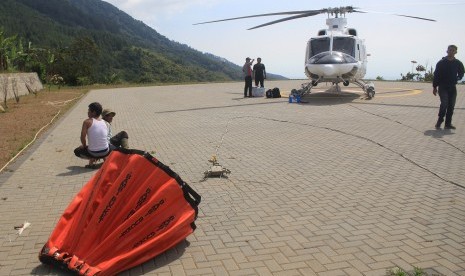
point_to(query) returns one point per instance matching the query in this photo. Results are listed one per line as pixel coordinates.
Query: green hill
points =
(93, 41)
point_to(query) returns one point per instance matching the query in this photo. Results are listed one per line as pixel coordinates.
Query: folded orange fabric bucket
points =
(133, 209)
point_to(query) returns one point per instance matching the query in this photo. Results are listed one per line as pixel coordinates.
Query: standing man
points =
(448, 71)
(259, 72)
(247, 70)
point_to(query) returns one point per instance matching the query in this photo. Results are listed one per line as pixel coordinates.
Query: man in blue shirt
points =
(448, 71)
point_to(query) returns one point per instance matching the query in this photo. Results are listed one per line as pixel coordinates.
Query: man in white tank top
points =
(94, 132)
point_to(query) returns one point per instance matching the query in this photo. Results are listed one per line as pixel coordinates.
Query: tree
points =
(429, 76)
(77, 62)
(6, 46)
(23, 56)
(421, 75)
(409, 76)
(420, 68)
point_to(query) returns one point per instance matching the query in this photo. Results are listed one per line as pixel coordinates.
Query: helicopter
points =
(336, 54)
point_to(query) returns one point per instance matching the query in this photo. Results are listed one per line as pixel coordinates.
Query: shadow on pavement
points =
(438, 133)
(330, 98)
(75, 170)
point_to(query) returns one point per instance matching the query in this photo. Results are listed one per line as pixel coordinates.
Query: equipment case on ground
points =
(258, 91)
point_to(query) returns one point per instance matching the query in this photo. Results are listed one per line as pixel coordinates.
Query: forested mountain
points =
(88, 41)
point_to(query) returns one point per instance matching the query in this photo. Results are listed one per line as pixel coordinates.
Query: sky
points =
(393, 42)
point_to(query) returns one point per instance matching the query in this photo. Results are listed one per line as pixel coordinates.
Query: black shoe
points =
(449, 127)
(438, 125)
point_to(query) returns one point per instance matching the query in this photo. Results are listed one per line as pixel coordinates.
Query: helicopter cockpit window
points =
(319, 45)
(344, 44)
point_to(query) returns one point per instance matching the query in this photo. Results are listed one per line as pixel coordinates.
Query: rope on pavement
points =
(54, 104)
(25, 147)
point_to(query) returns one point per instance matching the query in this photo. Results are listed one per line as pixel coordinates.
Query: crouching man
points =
(94, 136)
(121, 138)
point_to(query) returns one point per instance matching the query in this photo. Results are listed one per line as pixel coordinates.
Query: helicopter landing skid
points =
(306, 88)
(368, 88)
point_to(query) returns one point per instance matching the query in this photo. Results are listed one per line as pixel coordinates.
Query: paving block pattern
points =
(336, 185)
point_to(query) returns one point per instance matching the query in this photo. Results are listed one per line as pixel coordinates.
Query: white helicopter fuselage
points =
(336, 54)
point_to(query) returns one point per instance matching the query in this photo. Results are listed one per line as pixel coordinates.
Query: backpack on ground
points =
(269, 93)
(276, 93)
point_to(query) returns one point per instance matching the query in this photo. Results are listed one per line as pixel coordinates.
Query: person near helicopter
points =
(448, 71)
(259, 73)
(247, 72)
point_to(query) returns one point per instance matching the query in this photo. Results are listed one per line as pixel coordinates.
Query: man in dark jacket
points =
(448, 71)
(259, 73)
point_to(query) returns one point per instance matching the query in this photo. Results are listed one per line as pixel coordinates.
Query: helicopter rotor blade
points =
(341, 11)
(403, 15)
(415, 17)
(307, 14)
(359, 11)
(255, 15)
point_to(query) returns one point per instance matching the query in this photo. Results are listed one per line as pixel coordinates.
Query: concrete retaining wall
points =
(18, 84)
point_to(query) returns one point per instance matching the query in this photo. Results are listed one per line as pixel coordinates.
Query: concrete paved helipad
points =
(339, 185)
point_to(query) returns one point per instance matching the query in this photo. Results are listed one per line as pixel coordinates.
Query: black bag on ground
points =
(269, 93)
(276, 93)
